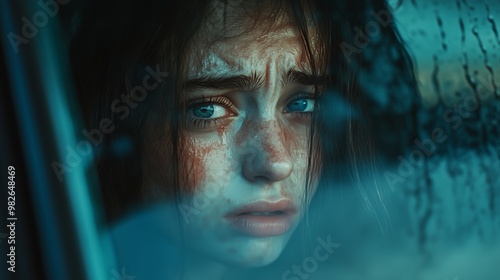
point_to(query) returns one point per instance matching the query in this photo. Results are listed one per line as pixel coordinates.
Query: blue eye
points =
(208, 111)
(205, 111)
(301, 105)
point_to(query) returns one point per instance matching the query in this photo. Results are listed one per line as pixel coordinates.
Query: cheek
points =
(203, 162)
(297, 144)
(206, 171)
(193, 160)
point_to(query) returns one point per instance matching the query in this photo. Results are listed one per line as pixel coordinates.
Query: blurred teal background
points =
(442, 212)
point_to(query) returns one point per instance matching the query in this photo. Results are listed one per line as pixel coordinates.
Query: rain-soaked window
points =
(260, 139)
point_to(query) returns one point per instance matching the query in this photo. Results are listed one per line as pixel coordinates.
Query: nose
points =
(265, 153)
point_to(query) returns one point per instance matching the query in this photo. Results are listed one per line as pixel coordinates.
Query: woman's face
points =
(245, 148)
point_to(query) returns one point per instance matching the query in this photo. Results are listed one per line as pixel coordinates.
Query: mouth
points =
(263, 218)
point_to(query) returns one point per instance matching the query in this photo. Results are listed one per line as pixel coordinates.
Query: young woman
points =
(222, 120)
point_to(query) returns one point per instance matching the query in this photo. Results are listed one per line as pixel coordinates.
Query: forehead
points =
(249, 53)
(240, 45)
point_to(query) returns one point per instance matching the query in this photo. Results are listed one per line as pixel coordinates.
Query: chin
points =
(255, 252)
(253, 260)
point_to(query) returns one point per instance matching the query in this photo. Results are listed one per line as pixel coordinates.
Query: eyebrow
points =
(242, 82)
(294, 76)
(250, 82)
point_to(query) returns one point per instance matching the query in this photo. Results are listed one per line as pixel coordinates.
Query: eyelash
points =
(210, 100)
(204, 123)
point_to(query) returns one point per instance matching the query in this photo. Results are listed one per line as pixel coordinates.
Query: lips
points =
(263, 218)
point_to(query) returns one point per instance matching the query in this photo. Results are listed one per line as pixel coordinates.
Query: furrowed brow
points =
(240, 82)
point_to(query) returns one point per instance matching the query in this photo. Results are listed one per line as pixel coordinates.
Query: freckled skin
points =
(256, 154)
